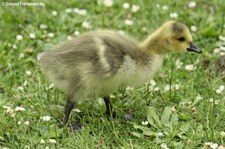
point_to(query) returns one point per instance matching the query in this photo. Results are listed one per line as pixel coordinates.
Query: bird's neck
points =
(153, 45)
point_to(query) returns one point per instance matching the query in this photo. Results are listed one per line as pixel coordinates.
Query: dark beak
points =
(194, 48)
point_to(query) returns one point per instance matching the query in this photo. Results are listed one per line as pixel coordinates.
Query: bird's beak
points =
(194, 48)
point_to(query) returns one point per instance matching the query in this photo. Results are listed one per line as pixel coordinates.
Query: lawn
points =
(182, 107)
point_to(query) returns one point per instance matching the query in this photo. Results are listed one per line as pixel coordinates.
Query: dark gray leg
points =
(109, 109)
(68, 108)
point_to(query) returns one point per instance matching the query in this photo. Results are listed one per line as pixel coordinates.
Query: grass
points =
(19, 88)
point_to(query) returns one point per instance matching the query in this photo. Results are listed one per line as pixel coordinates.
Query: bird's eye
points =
(181, 39)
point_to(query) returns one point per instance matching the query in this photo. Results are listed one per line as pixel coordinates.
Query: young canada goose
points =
(97, 63)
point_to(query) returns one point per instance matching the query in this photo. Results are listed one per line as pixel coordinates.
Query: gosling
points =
(98, 63)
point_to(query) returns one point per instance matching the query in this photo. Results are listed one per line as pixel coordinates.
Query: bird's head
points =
(175, 37)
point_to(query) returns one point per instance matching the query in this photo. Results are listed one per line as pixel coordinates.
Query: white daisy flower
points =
(128, 22)
(193, 28)
(27, 123)
(108, 3)
(69, 37)
(43, 26)
(28, 72)
(190, 67)
(81, 12)
(68, 10)
(214, 146)
(51, 35)
(46, 118)
(53, 141)
(20, 88)
(19, 37)
(76, 33)
(173, 15)
(86, 25)
(192, 4)
(19, 109)
(42, 141)
(135, 8)
(126, 5)
(32, 35)
(54, 13)
(14, 46)
(165, 7)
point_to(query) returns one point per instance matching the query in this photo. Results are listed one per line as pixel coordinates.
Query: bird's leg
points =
(68, 108)
(109, 109)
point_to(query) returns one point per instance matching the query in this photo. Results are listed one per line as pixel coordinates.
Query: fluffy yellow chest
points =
(132, 74)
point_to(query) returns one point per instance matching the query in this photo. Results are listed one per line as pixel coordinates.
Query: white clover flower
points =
(4, 148)
(214, 146)
(20, 88)
(43, 26)
(128, 22)
(128, 88)
(69, 37)
(53, 141)
(211, 100)
(173, 15)
(176, 87)
(6, 107)
(42, 141)
(166, 88)
(220, 89)
(157, 5)
(190, 67)
(19, 122)
(173, 109)
(108, 3)
(135, 8)
(178, 64)
(46, 118)
(222, 38)
(193, 28)
(19, 109)
(68, 10)
(192, 4)
(76, 33)
(25, 83)
(28, 72)
(152, 82)
(144, 122)
(126, 5)
(222, 48)
(86, 25)
(47, 147)
(156, 89)
(32, 35)
(222, 133)
(54, 13)
(14, 46)
(160, 134)
(19, 37)
(164, 146)
(216, 50)
(165, 7)
(51, 35)
(27, 123)
(208, 143)
(81, 12)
